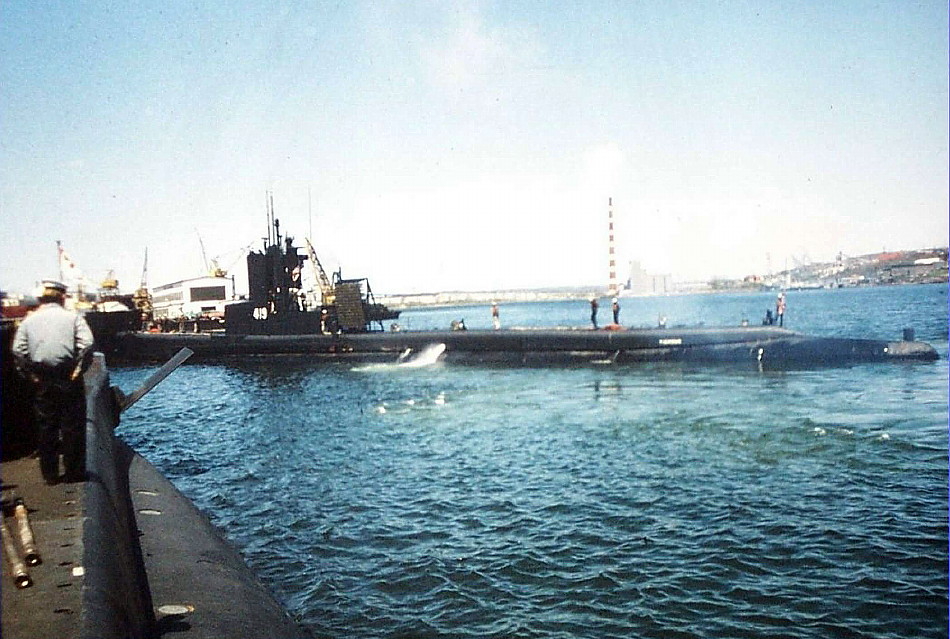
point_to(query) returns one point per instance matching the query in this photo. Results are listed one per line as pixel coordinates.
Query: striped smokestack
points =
(612, 287)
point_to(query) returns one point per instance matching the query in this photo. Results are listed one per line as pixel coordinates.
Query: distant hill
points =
(896, 267)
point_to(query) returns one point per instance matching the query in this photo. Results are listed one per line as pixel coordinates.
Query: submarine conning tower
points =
(274, 276)
(278, 304)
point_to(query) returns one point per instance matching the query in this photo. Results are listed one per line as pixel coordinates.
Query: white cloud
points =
(471, 58)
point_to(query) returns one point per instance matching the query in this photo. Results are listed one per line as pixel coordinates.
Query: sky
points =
(442, 145)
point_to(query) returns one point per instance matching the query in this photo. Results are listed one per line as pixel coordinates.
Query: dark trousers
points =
(60, 410)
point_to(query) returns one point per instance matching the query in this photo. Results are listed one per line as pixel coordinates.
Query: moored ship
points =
(280, 318)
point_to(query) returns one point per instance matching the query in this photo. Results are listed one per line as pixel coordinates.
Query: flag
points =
(67, 268)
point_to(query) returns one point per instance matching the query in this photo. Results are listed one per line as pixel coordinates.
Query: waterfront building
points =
(190, 298)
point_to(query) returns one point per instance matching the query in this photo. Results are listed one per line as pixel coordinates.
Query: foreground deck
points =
(124, 553)
(51, 606)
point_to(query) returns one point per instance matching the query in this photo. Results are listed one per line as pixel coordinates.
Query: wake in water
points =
(428, 356)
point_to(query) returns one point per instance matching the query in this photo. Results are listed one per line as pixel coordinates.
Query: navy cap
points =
(54, 285)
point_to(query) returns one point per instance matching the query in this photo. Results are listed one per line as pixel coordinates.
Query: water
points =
(603, 501)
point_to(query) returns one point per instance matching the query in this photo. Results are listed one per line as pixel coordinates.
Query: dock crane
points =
(230, 259)
(326, 289)
(212, 268)
(142, 298)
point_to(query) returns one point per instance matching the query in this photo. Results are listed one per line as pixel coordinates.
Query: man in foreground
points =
(52, 348)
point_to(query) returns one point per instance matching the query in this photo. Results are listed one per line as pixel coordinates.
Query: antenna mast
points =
(269, 207)
(273, 225)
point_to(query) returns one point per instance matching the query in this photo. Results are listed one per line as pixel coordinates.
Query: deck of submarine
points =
(124, 553)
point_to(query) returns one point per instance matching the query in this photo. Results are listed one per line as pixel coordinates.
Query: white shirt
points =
(52, 336)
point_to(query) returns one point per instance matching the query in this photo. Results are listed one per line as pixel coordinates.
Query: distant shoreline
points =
(447, 299)
(921, 266)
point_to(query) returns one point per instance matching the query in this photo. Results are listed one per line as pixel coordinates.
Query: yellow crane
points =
(142, 298)
(212, 268)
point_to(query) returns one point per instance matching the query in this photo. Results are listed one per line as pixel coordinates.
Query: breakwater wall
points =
(153, 563)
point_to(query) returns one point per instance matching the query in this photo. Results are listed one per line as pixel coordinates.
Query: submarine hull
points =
(767, 346)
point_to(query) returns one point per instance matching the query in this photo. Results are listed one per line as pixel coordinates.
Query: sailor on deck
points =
(52, 347)
(780, 308)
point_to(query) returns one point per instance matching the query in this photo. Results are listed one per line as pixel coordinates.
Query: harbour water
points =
(655, 500)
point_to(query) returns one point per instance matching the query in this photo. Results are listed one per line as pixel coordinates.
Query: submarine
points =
(767, 347)
(347, 324)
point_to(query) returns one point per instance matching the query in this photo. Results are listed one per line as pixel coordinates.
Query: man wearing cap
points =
(52, 348)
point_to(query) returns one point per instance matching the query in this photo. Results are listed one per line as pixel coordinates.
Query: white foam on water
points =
(428, 356)
(411, 405)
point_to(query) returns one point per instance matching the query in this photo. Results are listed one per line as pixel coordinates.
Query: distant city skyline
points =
(470, 145)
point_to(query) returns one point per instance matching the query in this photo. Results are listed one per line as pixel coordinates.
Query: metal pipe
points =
(156, 378)
(30, 554)
(20, 576)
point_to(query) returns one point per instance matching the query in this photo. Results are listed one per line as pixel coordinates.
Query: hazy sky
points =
(470, 145)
